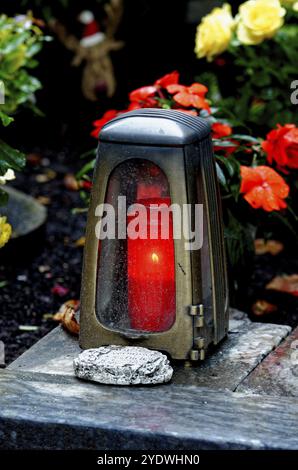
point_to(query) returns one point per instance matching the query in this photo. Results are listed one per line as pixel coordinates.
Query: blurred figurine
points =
(94, 49)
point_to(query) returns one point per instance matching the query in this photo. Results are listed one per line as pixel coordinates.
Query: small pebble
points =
(123, 365)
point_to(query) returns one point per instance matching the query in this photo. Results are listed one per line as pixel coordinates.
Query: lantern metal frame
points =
(180, 146)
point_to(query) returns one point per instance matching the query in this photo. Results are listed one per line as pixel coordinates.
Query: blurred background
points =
(158, 38)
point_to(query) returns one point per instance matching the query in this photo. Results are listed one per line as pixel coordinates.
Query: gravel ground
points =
(27, 296)
(266, 267)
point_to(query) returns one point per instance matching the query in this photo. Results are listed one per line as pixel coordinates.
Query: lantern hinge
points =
(197, 312)
(198, 354)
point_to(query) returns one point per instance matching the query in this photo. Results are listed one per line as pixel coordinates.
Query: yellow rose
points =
(214, 32)
(259, 20)
(5, 231)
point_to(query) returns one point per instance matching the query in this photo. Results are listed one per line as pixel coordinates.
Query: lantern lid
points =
(166, 127)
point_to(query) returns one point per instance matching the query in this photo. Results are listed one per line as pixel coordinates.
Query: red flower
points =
(86, 185)
(263, 188)
(187, 96)
(281, 146)
(99, 123)
(220, 62)
(220, 130)
(143, 97)
(134, 105)
(59, 290)
(168, 79)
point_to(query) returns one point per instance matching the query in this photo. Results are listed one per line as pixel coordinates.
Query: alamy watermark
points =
(155, 221)
(294, 94)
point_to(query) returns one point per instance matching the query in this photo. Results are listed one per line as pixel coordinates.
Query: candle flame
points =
(154, 258)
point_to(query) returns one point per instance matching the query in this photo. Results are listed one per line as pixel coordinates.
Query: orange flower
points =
(220, 130)
(193, 95)
(263, 188)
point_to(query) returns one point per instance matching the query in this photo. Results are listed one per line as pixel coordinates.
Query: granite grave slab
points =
(43, 406)
(228, 365)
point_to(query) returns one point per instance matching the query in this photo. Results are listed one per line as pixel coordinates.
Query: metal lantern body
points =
(155, 293)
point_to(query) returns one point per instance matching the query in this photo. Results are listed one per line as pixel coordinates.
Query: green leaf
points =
(15, 40)
(239, 240)
(220, 175)
(224, 143)
(235, 190)
(3, 197)
(6, 120)
(230, 164)
(261, 78)
(79, 210)
(33, 49)
(284, 220)
(86, 169)
(89, 153)
(18, 44)
(10, 158)
(165, 103)
(247, 138)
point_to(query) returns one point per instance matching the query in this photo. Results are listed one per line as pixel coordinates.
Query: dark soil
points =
(266, 267)
(52, 259)
(40, 265)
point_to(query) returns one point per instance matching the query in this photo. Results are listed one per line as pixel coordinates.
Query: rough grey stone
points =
(24, 213)
(118, 365)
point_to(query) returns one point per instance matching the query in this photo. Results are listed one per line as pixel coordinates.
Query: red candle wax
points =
(151, 276)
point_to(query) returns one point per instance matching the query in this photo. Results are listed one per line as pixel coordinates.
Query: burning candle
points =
(151, 274)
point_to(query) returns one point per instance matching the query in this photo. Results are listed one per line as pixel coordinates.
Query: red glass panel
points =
(151, 272)
(136, 277)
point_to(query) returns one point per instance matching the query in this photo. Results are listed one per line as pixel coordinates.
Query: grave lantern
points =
(154, 270)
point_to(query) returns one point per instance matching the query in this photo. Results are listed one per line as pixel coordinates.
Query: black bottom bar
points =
(141, 459)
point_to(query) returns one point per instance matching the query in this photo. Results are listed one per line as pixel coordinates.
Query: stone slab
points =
(278, 373)
(235, 358)
(43, 406)
(42, 411)
(53, 354)
(229, 364)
